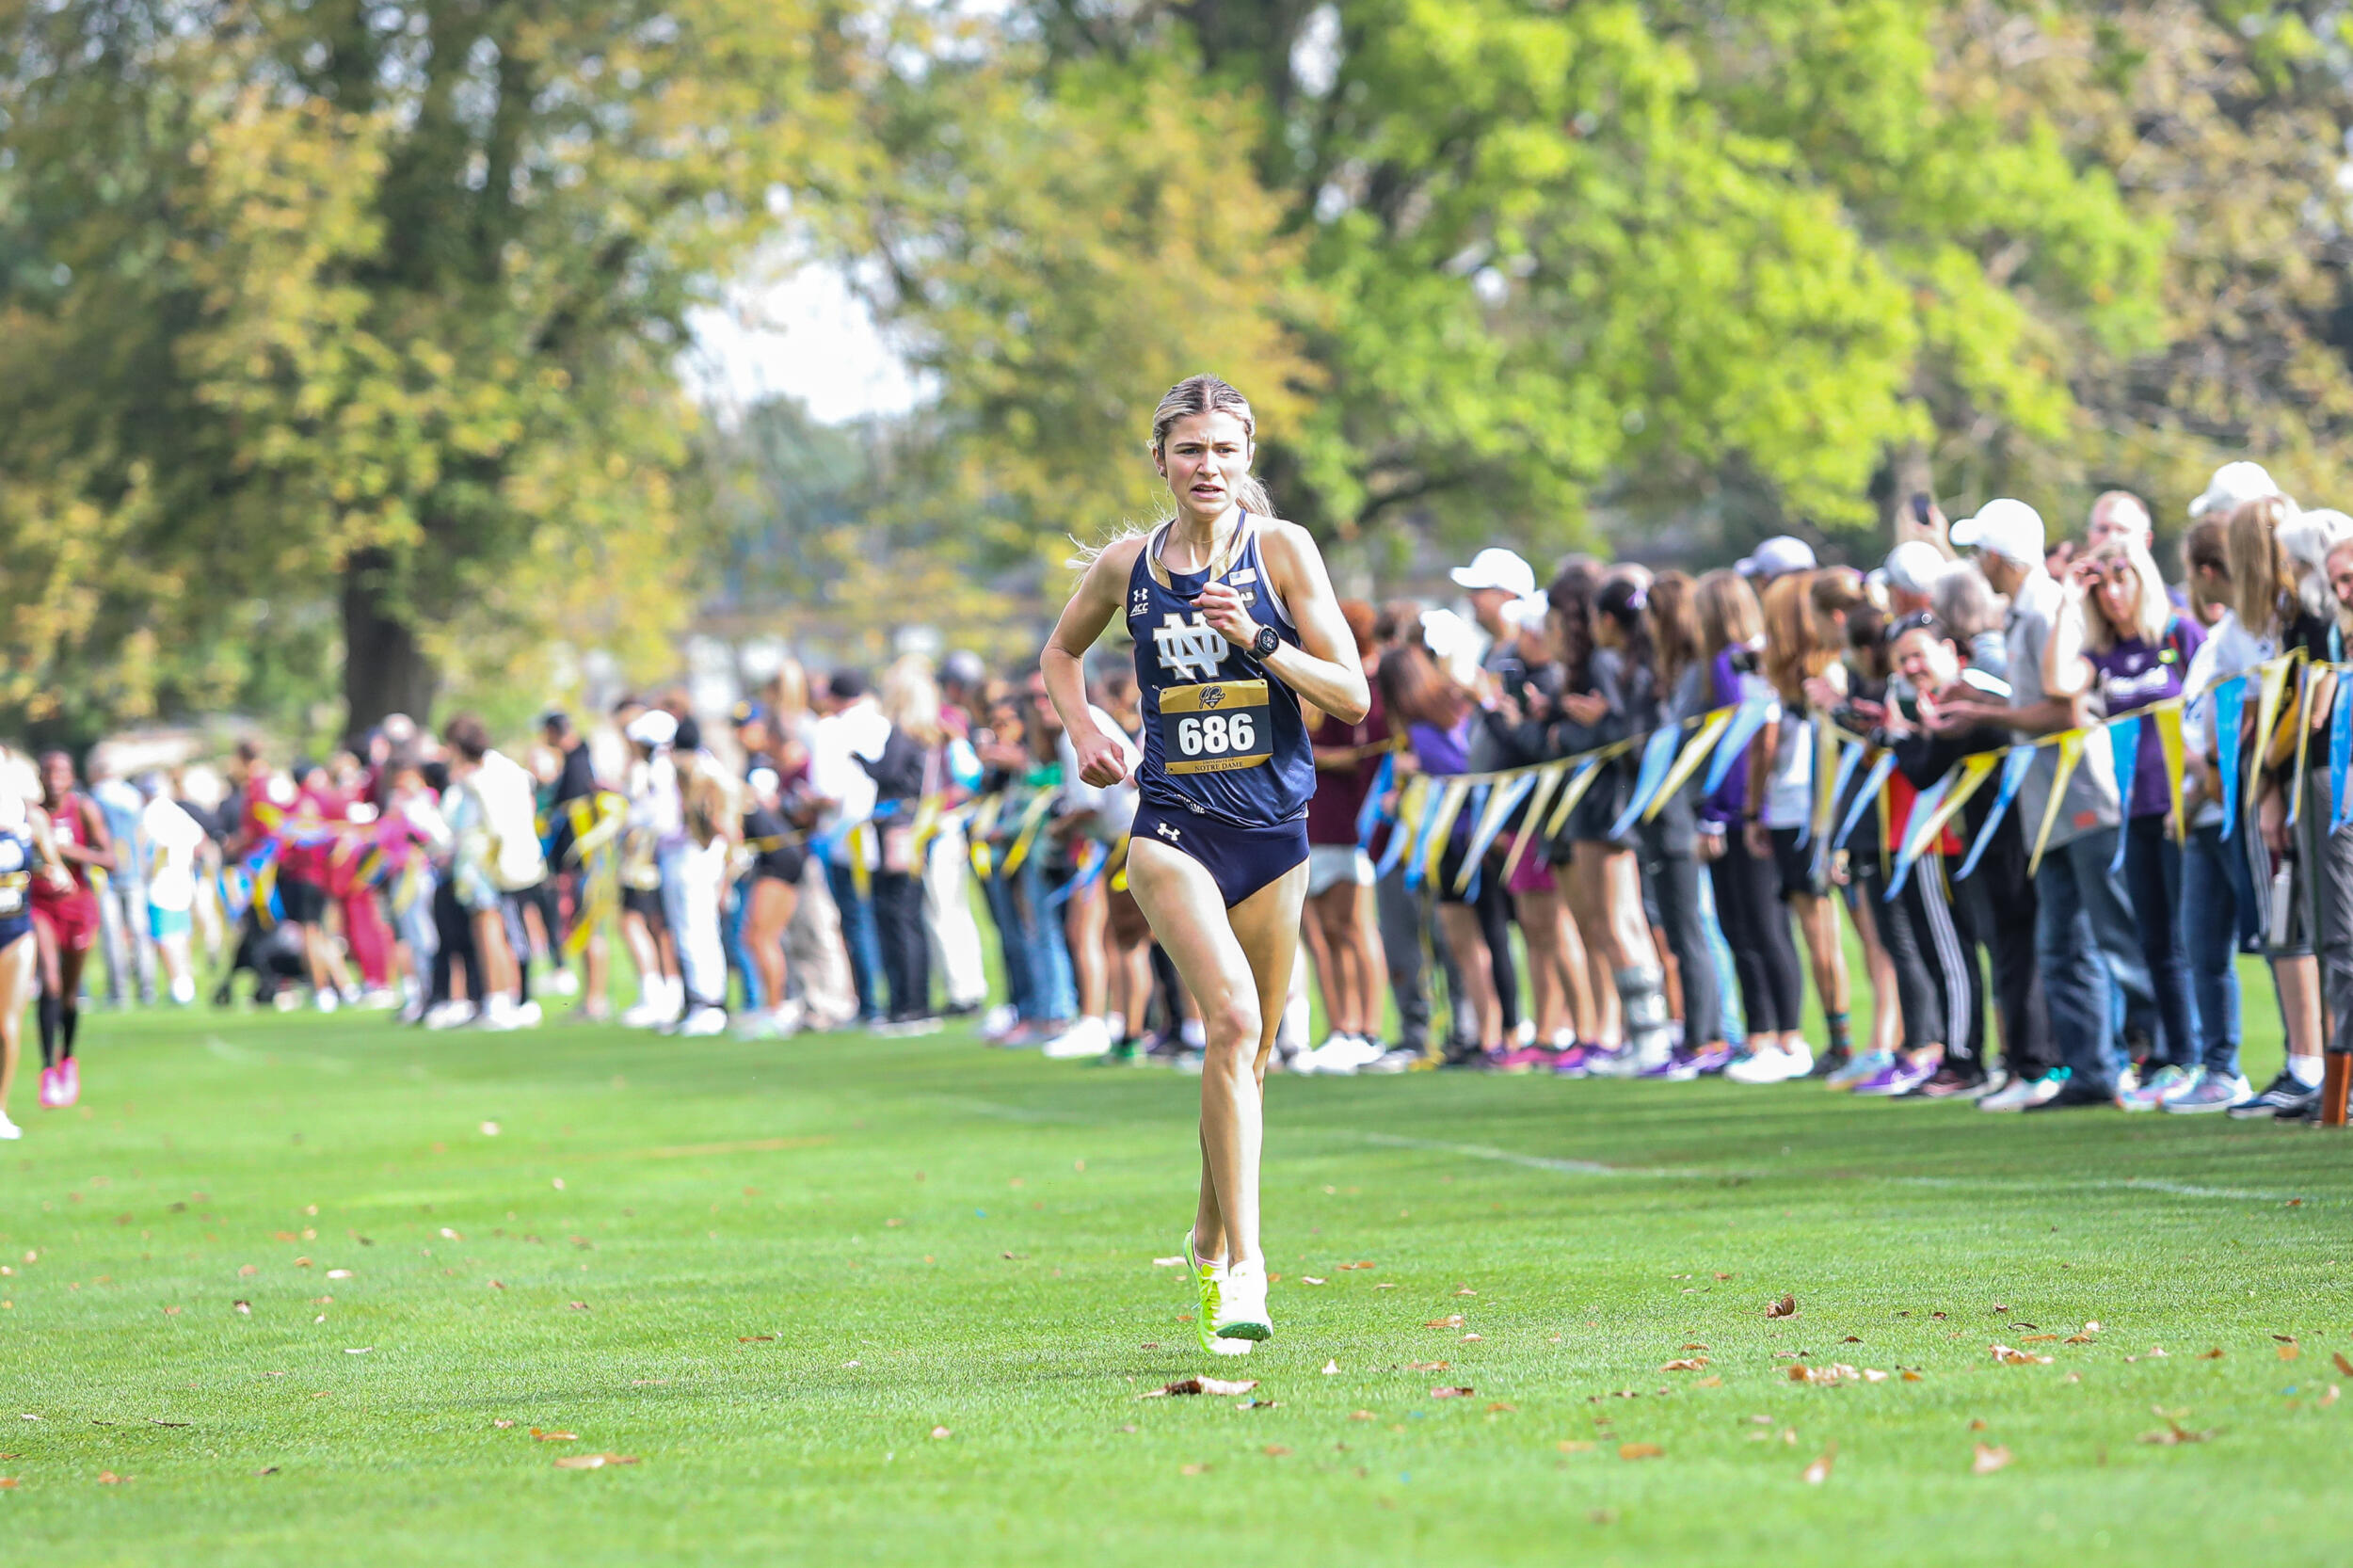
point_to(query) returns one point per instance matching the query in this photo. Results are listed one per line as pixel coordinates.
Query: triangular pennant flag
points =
(1825, 748)
(1547, 779)
(1826, 800)
(2071, 751)
(1369, 814)
(2124, 746)
(2016, 762)
(2302, 720)
(1437, 827)
(1506, 794)
(1924, 805)
(1747, 720)
(2275, 682)
(1866, 793)
(1687, 760)
(1410, 802)
(2341, 754)
(1572, 792)
(1658, 756)
(2230, 706)
(2167, 716)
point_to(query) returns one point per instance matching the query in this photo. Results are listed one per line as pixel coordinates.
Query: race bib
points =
(1213, 727)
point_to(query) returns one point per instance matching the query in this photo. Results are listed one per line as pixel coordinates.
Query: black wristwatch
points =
(1266, 642)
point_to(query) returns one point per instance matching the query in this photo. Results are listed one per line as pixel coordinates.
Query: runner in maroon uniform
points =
(65, 920)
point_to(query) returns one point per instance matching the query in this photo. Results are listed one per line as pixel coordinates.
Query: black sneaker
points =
(1469, 1058)
(2077, 1097)
(2284, 1097)
(1162, 1052)
(1830, 1062)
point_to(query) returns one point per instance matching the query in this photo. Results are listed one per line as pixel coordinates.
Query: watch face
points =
(1266, 642)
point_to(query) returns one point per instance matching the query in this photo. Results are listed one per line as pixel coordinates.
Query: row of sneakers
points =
(1346, 1055)
(1892, 1074)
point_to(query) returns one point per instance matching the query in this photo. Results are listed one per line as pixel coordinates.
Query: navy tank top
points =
(1220, 736)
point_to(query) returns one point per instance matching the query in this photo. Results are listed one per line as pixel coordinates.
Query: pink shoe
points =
(68, 1082)
(50, 1089)
(1523, 1059)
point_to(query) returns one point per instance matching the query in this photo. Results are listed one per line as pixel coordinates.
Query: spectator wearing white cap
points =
(1497, 578)
(2120, 517)
(2086, 944)
(1776, 557)
(2233, 485)
(1911, 572)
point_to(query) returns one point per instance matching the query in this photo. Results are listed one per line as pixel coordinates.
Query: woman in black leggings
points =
(1748, 886)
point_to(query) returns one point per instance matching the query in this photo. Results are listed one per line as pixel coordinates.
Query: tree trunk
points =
(385, 670)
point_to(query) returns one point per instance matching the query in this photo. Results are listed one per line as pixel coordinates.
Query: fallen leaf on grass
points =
(339, 1273)
(1386, 1285)
(1193, 1469)
(2290, 1350)
(244, 1309)
(1256, 1404)
(2008, 1358)
(1201, 1386)
(266, 1471)
(8, 1484)
(1498, 1407)
(1457, 1392)
(1785, 1307)
(941, 1432)
(1429, 1365)
(1450, 1320)
(2330, 1397)
(752, 1338)
(1360, 1416)
(107, 1478)
(1711, 1381)
(1911, 1376)
(1818, 1472)
(1640, 1450)
(1988, 1458)
(1331, 1369)
(500, 1422)
(2214, 1355)
(1466, 1290)
(1356, 1265)
(497, 1285)
(1470, 1339)
(2172, 1434)
(593, 1462)
(554, 1437)
(159, 1422)
(1310, 1279)
(2342, 1365)
(358, 1350)
(576, 1306)
(171, 1312)
(1690, 1363)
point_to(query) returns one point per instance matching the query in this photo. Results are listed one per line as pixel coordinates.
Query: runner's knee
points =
(1234, 1024)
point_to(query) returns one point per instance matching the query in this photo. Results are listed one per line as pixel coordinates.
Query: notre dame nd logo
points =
(1188, 649)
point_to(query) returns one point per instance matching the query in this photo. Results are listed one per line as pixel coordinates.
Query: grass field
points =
(895, 1302)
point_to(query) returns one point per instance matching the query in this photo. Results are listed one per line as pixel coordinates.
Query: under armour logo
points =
(1168, 832)
(1140, 603)
(1189, 649)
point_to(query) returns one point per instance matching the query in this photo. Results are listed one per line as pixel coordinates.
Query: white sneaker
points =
(564, 982)
(1349, 1055)
(791, 1016)
(183, 991)
(497, 1014)
(326, 1001)
(1000, 1021)
(703, 1022)
(2020, 1092)
(1242, 1312)
(448, 1014)
(1086, 1037)
(9, 1131)
(528, 1016)
(647, 1014)
(1771, 1065)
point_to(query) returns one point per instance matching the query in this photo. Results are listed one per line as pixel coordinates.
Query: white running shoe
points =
(1209, 1280)
(1771, 1065)
(448, 1014)
(2022, 1092)
(1084, 1038)
(1000, 1021)
(703, 1022)
(9, 1131)
(326, 1001)
(1348, 1055)
(183, 991)
(528, 1016)
(497, 1015)
(648, 1013)
(1242, 1312)
(564, 982)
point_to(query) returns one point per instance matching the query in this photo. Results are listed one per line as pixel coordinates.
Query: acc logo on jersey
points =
(1188, 649)
(1139, 602)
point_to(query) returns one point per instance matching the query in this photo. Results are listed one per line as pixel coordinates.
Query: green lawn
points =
(771, 1272)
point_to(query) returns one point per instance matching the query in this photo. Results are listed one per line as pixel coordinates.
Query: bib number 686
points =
(1216, 735)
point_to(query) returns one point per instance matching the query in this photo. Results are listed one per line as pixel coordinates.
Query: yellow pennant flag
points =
(2275, 680)
(1583, 780)
(1449, 805)
(2301, 718)
(1018, 851)
(1547, 779)
(982, 823)
(1974, 770)
(2071, 751)
(2168, 718)
(1825, 777)
(1687, 760)
(1490, 822)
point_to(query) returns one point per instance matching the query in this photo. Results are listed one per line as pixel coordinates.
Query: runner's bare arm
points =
(1325, 668)
(1101, 763)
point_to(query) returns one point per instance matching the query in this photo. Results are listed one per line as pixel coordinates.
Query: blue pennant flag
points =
(1369, 814)
(2124, 740)
(2341, 754)
(1746, 721)
(1658, 756)
(1867, 792)
(2230, 706)
(1848, 759)
(2014, 769)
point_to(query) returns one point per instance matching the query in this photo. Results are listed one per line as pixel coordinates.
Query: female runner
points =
(18, 867)
(1218, 598)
